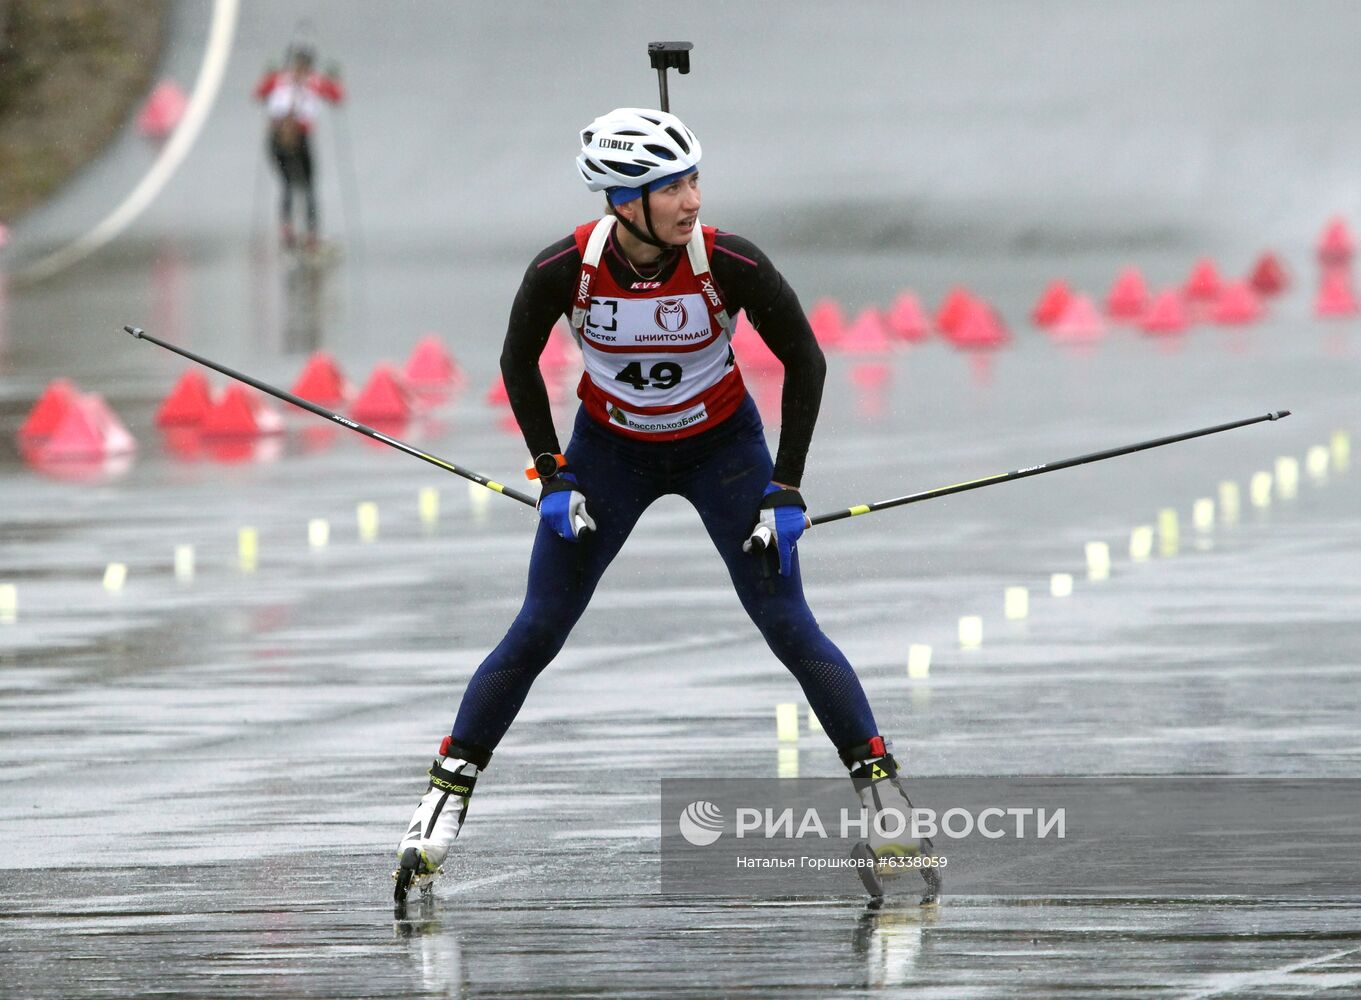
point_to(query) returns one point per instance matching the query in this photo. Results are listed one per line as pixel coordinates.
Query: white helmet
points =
(632, 147)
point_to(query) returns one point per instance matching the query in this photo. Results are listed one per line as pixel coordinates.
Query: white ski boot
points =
(438, 818)
(874, 773)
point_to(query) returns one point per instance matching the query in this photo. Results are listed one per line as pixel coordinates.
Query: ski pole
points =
(664, 56)
(1035, 470)
(345, 421)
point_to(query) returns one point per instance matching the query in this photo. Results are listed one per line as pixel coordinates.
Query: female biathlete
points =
(650, 294)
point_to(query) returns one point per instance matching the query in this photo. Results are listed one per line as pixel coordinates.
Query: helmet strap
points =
(649, 236)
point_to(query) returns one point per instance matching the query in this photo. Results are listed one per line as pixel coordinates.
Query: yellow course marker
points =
(1259, 489)
(918, 661)
(247, 549)
(367, 516)
(1228, 502)
(318, 532)
(1169, 532)
(814, 723)
(1316, 464)
(428, 505)
(115, 575)
(1016, 603)
(1341, 447)
(971, 631)
(1141, 543)
(9, 603)
(789, 762)
(1061, 585)
(1203, 514)
(479, 498)
(1098, 561)
(787, 722)
(184, 563)
(1287, 477)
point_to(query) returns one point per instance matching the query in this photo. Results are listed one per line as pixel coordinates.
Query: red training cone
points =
(905, 319)
(867, 335)
(957, 306)
(383, 399)
(1335, 295)
(237, 413)
(1128, 297)
(979, 327)
(1335, 243)
(1268, 275)
(1080, 321)
(321, 381)
(1203, 283)
(751, 350)
(556, 354)
(162, 110)
(1166, 314)
(1237, 304)
(497, 395)
(88, 430)
(828, 322)
(430, 363)
(1052, 301)
(187, 403)
(48, 411)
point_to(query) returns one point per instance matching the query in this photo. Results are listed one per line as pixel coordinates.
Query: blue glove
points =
(781, 522)
(564, 507)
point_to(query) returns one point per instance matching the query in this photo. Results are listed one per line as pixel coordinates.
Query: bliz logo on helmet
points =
(707, 283)
(701, 823)
(671, 315)
(615, 144)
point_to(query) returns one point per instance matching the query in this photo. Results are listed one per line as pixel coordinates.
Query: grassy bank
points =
(71, 72)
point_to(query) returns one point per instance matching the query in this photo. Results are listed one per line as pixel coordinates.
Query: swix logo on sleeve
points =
(670, 315)
(584, 286)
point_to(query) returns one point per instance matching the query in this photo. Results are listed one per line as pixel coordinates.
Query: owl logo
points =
(671, 315)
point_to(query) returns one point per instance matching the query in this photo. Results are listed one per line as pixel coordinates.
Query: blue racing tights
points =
(722, 472)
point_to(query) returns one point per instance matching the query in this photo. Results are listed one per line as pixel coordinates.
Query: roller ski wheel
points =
(411, 874)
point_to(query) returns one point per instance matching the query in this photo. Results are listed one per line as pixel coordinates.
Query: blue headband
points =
(622, 195)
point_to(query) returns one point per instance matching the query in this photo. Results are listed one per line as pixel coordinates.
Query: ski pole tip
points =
(1280, 413)
(137, 332)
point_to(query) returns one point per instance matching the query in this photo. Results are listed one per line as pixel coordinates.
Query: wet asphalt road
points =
(203, 782)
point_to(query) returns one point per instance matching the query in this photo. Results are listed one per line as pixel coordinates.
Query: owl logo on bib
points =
(671, 315)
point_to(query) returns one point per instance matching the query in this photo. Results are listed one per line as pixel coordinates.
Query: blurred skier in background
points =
(292, 98)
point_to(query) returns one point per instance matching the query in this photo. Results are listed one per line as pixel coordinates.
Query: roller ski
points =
(437, 820)
(877, 781)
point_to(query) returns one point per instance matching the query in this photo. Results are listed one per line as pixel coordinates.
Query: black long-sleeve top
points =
(748, 280)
